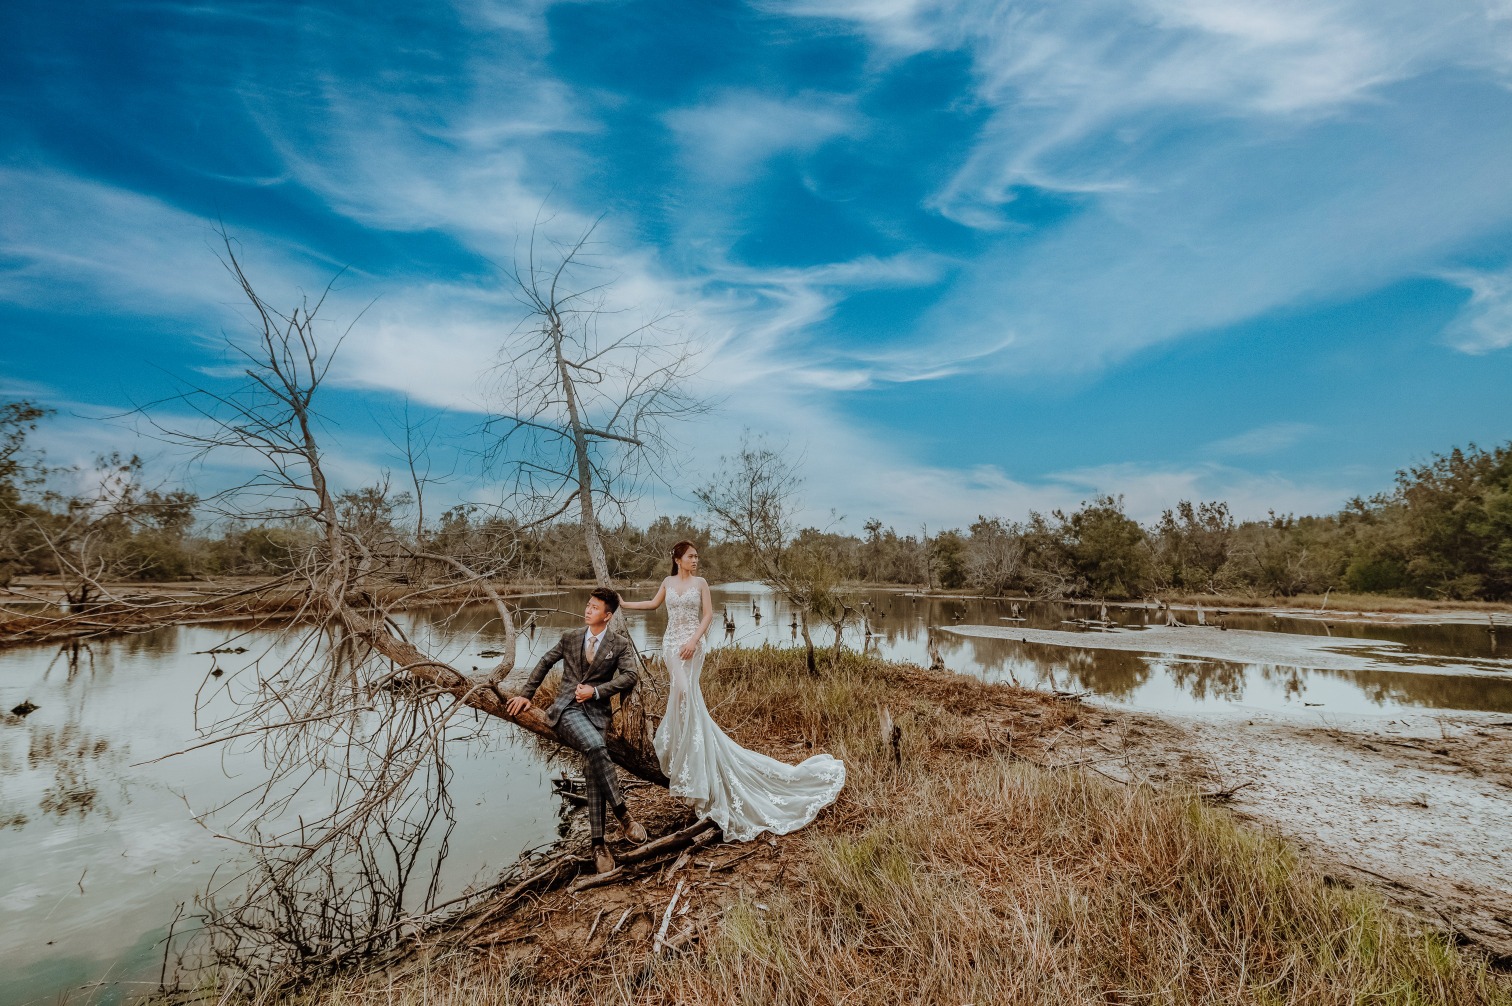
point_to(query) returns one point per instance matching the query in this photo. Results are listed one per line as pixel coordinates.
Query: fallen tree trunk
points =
(480, 694)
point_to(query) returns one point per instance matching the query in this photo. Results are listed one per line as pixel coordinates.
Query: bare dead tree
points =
(585, 392)
(752, 501)
(414, 444)
(346, 706)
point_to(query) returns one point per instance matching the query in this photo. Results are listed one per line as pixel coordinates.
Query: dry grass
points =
(1002, 883)
(967, 874)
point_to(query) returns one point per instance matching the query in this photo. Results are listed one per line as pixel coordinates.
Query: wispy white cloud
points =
(431, 341)
(1232, 157)
(480, 160)
(725, 140)
(1149, 489)
(1060, 76)
(1265, 439)
(911, 268)
(1231, 231)
(10, 387)
(1484, 323)
(75, 244)
(79, 237)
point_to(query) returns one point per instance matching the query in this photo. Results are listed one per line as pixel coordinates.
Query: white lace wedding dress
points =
(744, 792)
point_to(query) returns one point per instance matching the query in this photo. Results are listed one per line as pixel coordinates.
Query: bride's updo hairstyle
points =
(678, 551)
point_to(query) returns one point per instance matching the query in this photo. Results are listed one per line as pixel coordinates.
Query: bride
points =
(742, 791)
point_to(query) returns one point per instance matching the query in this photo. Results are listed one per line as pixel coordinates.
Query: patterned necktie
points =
(591, 649)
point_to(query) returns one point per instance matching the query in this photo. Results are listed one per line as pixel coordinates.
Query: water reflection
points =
(897, 625)
(68, 753)
(98, 854)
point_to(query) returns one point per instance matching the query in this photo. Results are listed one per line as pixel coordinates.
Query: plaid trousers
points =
(578, 732)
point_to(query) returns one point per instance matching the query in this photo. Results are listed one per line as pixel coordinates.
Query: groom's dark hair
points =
(609, 597)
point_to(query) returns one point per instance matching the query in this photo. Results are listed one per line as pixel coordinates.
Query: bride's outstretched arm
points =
(650, 605)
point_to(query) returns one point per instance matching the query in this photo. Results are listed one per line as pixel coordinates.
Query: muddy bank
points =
(1349, 607)
(1383, 608)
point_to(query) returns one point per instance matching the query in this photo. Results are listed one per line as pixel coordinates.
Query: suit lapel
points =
(576, 666)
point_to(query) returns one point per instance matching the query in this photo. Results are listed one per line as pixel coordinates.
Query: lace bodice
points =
(684, 612)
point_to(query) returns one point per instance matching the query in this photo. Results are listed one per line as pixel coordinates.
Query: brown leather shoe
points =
(601, 859)
(634, 830)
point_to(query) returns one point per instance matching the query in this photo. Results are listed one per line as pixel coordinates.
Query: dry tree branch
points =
(584, 411)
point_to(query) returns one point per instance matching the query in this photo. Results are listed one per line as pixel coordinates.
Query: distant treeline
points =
(1443, 531)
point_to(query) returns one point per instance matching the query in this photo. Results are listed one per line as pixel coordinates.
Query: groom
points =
(595, 666)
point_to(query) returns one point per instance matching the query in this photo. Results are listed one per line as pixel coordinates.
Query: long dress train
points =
(743, 791)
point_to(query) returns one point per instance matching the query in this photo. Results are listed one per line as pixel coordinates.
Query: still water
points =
(99, 853)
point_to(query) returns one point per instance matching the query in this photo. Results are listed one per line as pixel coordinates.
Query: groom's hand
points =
(583, 693)
(517, 705)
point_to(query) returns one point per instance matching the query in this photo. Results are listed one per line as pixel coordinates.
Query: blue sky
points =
(961, 258)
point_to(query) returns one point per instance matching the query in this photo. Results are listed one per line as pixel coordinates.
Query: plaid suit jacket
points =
(613, 672)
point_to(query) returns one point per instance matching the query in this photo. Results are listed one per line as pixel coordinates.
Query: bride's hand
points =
(689, 648)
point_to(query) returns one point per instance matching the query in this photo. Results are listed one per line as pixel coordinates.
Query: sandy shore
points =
(1245, 646)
